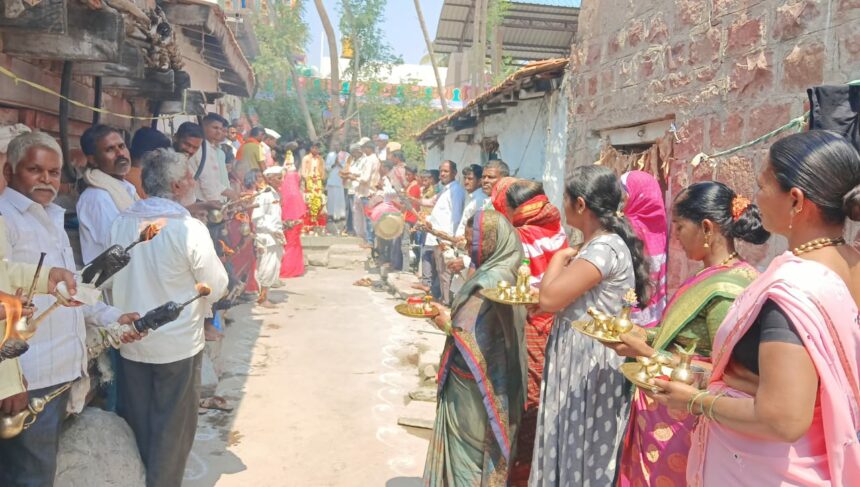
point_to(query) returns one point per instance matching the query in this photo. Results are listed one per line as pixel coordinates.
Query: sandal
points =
(217, 403)
(363, 282)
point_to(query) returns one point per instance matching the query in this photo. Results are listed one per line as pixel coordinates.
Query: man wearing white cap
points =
(269, 142)
(382, 147)
(269, 235)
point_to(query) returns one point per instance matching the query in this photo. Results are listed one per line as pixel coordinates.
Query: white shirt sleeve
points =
(100, 314)
(205, 264)
(96, 213)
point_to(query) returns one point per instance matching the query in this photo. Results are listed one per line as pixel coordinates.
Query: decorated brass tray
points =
(582, 327)
(633, 371)
(494, 295)
(405, 310)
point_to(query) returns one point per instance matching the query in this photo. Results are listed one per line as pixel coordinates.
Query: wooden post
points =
(65, 89)
(97, 98)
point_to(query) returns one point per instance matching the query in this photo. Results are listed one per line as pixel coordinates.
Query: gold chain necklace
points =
(818, 243)
(731, 257)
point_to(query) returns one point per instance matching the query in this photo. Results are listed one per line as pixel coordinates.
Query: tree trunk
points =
(439, 85)
(303, 103)
(356, 62)
(335, 70)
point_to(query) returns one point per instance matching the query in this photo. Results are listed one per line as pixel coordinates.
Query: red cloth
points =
(413, 191)
(538, 224)
(292, 208)
(244, 259)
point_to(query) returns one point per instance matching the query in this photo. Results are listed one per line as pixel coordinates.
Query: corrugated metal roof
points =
(531, 30)
(548, 68)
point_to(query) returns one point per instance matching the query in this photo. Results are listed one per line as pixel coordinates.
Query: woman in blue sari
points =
(482, 374)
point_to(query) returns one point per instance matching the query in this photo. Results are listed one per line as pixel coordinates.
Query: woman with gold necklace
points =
(707, 219)
(782, 406)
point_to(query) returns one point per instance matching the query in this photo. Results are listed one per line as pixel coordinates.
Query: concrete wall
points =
(531, 139)
(727, 71)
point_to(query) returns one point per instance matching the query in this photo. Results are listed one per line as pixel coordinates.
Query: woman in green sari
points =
(482, 374)
(707, 218)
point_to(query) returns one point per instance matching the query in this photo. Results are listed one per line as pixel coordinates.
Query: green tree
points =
(371, 54)
(283, 36)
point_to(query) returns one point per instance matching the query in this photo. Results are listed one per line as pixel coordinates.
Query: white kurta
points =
(210, 184)
(335, 198)
(167, 268)
(270, 238)
(96, 213)
(57, 352)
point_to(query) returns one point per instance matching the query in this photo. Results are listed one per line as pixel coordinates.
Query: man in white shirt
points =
(368, 179)
(445, 217)
(382, 146)
(107, 192)
(159, 381)
(207, 165)
(335, 195)
(57, 354)
(475, 196)
(269, 233)
(350, 181)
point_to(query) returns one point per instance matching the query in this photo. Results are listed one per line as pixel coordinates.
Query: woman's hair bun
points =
(748, 226)
(851, 203)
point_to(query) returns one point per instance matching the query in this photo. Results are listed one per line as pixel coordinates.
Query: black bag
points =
(836, 108)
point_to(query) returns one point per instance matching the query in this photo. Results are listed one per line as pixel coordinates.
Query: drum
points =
(389, 226)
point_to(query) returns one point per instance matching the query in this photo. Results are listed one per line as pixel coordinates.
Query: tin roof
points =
(531, 29)
(528, 75)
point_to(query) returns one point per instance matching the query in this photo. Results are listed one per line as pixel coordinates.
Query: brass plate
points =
(630, 369)
(580, 327)
(493, 295)
(403, 309)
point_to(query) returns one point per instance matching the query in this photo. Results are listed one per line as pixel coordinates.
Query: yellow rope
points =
(17, 79)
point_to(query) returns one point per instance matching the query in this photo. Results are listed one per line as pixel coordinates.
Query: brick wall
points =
(727, 71)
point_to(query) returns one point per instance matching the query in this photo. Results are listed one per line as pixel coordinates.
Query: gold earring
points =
(707, 240)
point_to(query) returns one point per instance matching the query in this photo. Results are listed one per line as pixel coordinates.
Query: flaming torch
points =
(115, 258)
(111, 336)
(13, 344)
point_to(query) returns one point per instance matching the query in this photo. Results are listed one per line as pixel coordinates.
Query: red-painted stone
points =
(707, 74)
(658, 32)
(594, 50)
(752, 75)
(726, 133)
(846, 5)
(690, 12)
(849, 48)
(705, 48)
(804, 66)
(692, 135)
(676, 56)
(744, 35)
(766, 118)
(613, 46)
(793, 18)
(592, 86)
(607, 80)
(635, 33)
(646, 67)
(679, 80)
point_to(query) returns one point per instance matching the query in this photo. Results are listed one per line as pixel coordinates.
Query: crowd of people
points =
(223, 213)
(526, 399)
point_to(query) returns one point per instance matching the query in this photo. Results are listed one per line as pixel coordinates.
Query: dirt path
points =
(318, 385)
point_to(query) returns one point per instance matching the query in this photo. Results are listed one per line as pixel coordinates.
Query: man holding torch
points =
(159, 387)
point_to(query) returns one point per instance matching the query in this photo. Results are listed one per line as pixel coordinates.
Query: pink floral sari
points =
(657, 439)
(823, 311)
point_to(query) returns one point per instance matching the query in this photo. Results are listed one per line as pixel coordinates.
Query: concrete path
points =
(317, 385)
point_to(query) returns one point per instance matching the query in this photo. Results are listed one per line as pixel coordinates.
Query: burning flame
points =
(203, 289)
(242, 217)
(13, 307)
(226, 248)
(150, 231)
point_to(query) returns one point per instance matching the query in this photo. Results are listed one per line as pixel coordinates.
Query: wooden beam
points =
(47, 16)
(93, 35)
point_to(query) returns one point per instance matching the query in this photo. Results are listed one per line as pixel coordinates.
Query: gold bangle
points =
(448, 326)
(693, 400)
(710, 414)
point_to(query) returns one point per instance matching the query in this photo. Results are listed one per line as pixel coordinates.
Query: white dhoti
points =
(335, 202)
(269, 265)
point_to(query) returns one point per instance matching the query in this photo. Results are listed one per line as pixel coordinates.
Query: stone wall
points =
(726, 71)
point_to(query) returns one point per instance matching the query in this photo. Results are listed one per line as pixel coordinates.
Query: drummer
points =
(388, 202)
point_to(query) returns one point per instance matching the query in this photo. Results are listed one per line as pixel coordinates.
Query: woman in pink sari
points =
(782, 406)
(707, 218)
(647, 214)
(293, 210)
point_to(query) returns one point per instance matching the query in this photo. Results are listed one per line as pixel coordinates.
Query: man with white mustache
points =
(107, 192)
(57, 354)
